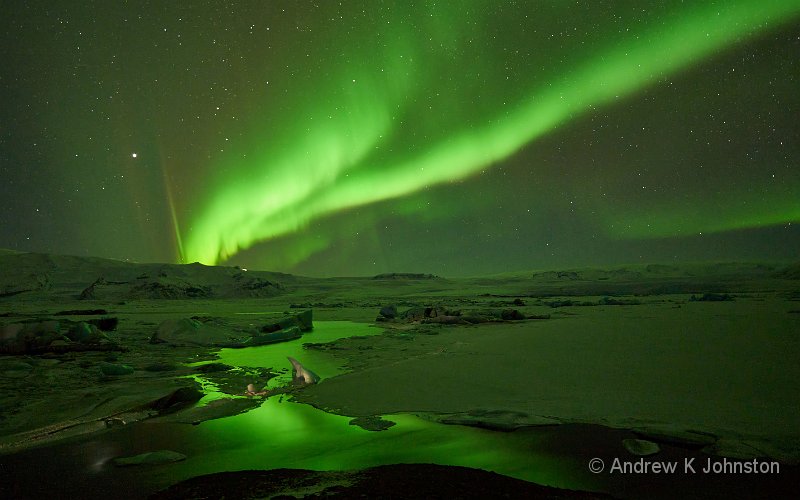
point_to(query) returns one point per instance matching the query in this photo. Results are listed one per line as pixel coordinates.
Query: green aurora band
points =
(349, 149)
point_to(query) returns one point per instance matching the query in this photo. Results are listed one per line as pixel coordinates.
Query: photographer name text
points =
(694, 466)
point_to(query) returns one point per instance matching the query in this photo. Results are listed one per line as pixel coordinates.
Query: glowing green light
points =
(349, 154)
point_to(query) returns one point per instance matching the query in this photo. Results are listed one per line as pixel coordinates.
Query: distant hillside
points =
(107, 279)
(653, 279)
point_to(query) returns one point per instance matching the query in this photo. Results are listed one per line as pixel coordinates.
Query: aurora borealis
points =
(455, 138)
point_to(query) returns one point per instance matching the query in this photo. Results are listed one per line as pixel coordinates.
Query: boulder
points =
(213, 332)
(106, 324)
(372, 423)
(511, 315)
(38, 337)
(86, 333)
(413, 314)
(176, 400)
(191, 332)
(711, 297)
(91, 291)
(389, 312)
(29, 337)
(303, 321)
(260, 338)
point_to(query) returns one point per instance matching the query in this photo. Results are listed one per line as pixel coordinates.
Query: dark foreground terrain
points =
(643, 364)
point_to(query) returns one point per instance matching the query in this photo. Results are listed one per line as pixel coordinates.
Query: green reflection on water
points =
(281, 433)
(274, 355)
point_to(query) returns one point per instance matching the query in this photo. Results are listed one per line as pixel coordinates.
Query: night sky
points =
(360, 137)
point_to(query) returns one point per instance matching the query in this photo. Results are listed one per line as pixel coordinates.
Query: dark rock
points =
(389, 312)
(53, 336)
(176, 400)
(511, 315)
(372, 423)
(212, 332)
(302, 321)
(711, 297)
(518, 302)
(90, 292)
(305, 321)
(106, 324)
(176, 330)
(289, 333)
(86, 333)
(413, 314)
(429, 312)
(36, 332)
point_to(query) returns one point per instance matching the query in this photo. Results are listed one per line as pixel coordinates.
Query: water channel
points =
(284, 434)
